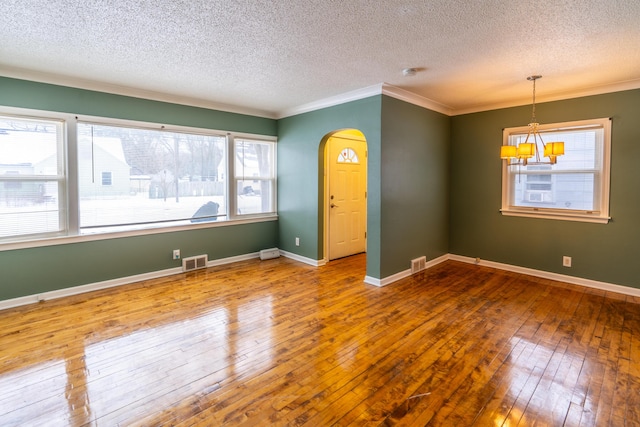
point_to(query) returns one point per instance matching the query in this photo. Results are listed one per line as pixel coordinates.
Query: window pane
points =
(141, 176)
(31, 170)
(29, 207)
(570, 184)
(254, 197)
(255, 176)
(565, 191)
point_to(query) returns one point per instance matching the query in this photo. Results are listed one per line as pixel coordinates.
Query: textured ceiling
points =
(271, 57)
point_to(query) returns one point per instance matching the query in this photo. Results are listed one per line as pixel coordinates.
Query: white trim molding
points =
(302, 259)
(381, 88)
(31, 299)
(402, 274)
(610, 287)
(366, 92)
(60, 293)
(412, 98)
(114, 89)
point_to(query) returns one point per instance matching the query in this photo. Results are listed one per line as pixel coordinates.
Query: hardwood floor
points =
(280, 343)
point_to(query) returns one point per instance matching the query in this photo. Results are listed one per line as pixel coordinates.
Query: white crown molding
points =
(412, 98)
(378, 89)
(366, 92)
(78, 83)
(331, 101)
(598, 90)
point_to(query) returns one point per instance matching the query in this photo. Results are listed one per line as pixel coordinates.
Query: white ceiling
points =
(272, 58)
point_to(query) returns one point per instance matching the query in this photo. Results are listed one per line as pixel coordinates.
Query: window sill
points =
(561, 216)
(62, 240)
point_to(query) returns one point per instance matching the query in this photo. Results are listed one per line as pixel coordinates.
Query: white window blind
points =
(255, 176)
(32, 177)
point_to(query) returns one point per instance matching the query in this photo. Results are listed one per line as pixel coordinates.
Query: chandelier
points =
(533, 144)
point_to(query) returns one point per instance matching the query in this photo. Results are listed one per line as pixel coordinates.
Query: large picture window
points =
(574, 188)
(155, 176)
(69, 177)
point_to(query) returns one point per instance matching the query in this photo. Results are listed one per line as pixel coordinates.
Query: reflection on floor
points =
(277, 342)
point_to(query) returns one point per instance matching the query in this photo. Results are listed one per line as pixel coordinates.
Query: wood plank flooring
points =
(280, 343)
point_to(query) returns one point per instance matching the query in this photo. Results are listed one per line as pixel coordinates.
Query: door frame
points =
(347, 133)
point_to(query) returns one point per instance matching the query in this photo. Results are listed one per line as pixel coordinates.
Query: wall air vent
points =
(195, 262)
(418, 264)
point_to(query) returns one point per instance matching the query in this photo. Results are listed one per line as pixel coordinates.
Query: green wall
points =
(603, 252)
(415, 185)
(434, 187)
(300, 181)
(42, 96)
(408, 173)
(47, 268)
(36, 270)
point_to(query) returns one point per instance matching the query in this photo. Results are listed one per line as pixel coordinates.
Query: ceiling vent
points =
(195, 262)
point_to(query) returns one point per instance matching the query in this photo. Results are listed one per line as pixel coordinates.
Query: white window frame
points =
(69, 213)
(234, 176)
(600, 213)
(60, 178)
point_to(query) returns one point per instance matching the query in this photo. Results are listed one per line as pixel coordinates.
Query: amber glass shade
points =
(507, 151)
(526, 150)
(554, 149)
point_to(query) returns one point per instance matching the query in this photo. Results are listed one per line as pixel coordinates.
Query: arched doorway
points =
(345, 163)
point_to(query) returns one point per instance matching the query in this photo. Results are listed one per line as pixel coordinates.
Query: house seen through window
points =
(128, 176)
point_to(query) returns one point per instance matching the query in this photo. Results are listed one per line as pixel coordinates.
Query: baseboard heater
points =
(269, 253)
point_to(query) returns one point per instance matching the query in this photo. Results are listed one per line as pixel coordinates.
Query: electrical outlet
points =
(297, 241)
(566, 261)
(176, 254)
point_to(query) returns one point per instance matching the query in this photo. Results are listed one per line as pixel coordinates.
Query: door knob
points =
(334, 206)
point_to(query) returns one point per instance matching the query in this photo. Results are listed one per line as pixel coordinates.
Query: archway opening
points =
(344, 154)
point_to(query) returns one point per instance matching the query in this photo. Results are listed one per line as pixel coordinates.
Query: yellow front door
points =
(347, 179)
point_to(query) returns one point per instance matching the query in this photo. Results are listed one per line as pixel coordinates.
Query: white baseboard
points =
(305, 260)
(59, 293)
(387, 280)
(626, 290)
(401, 275)
(229, 260)
(30, 299)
